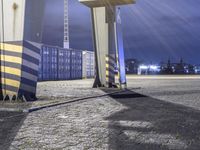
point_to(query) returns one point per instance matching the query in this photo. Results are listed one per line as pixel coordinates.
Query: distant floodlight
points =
(153, 67)
(143, 67)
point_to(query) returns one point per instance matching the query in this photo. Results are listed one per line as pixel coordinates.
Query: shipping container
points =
(40, 67)
(46, 63)
(88, 64)
(60, 64)
(54, 63)
(64, 64)
(76, 64)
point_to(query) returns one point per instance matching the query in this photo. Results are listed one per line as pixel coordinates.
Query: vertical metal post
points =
(120, 50)
(111, 62)
(66, 25)
(97, 82)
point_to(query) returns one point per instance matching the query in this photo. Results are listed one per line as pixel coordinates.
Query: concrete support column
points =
(105, 46)
(108, 43)
(111, 57)
(20, 33)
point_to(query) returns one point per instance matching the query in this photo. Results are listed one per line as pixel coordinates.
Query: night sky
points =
(154, 30)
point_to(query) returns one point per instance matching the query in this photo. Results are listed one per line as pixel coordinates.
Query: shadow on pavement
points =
(10, 123)
(151, 124)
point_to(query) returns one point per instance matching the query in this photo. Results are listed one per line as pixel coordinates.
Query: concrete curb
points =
(59, 103)
(62, 103)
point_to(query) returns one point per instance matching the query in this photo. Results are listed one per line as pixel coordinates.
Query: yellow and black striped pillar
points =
(110, 70)
(19, 70)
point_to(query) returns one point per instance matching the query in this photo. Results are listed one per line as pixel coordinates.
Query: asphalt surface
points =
(157, 113)
(184, 90)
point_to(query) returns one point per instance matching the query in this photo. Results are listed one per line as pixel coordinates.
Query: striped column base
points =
(19, 70)
(110, 71)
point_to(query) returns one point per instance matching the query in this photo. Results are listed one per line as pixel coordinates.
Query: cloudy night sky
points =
(154, 30)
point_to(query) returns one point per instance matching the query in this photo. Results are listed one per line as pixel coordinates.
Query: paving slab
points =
(152, 117)
(52, 93)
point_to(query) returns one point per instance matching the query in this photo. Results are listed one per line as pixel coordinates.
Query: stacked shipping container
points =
(76, 64)
(64, 64)
(64, 57)
(88, 65)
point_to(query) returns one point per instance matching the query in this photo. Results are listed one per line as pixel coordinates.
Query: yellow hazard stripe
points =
(10, 70)
(8, 92)
(10, 82)
(107, 72)
(118, 75)
(107, 58)
(11, 59)
(107, 69)
(107, 75)
(107, 65)
(11, 47)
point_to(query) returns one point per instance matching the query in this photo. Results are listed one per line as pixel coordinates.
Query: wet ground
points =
(154, 114)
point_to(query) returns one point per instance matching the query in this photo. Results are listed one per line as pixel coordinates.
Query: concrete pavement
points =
(162, 114)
